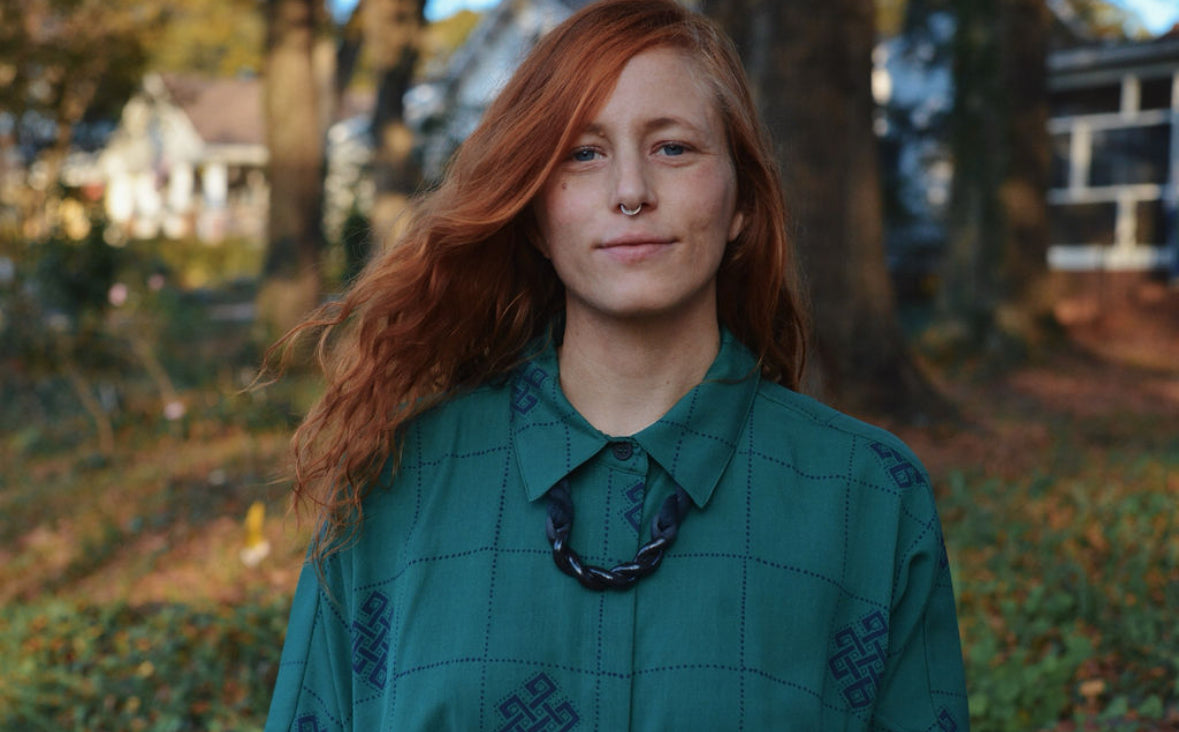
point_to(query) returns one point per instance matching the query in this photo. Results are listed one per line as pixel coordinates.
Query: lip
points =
(633, 240)
(634, 248)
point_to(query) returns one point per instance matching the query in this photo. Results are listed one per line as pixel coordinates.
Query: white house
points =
(1114, 193)
(1114, 125)
(189, 158)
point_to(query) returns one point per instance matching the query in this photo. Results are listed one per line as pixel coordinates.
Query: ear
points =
(736, 226)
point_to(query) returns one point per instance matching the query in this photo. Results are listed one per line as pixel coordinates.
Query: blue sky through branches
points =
(1157, 15)
(435, 9)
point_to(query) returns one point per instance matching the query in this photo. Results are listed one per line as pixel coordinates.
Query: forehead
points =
(663, 82)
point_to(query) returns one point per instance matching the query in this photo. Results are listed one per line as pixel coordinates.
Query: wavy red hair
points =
(455, 302)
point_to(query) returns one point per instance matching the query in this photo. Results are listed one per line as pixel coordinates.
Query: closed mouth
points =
(634, 242)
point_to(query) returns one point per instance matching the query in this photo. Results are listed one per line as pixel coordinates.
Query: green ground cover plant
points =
(151, 667)
(1067, 590)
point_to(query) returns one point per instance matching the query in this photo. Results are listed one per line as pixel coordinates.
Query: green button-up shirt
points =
(808, 588)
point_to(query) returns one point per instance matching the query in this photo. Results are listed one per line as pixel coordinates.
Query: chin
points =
(647, 302)
(651, 311)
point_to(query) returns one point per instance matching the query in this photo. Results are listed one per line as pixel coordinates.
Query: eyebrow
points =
(651, 125)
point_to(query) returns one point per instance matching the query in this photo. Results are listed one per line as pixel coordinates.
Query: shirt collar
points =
(694, 442)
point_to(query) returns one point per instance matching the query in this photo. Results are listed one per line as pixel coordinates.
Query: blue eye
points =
(584, 154)
(672, 148)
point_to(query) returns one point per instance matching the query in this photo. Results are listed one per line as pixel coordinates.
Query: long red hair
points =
(455, 302)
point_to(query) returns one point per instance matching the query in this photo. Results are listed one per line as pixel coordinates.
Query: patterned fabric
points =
(807, 589)
(370, 641)
(858, 658)
(307, 723)
(537, 707)
(634, 507)
(945, 721)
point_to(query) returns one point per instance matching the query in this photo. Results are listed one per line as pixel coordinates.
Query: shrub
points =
(1068, 580)
(164, 667)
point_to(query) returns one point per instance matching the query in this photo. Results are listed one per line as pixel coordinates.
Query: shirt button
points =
(622, 450)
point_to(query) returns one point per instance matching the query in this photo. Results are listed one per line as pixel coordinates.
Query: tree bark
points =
(996, 293)
(393, 32)
(325, 66)
(1027, 304)
(291, 271)
(810, 64)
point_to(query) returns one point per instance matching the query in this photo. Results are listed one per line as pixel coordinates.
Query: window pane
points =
(1082, 223)
(1156, 93)
(1093, 100)
(1152, 222)
(1132, 155)
(1060, 167)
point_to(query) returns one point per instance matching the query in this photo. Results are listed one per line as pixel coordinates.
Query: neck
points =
(624, 375)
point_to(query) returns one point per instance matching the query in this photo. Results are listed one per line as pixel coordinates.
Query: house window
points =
(1156, 93)
(1059, 171)
(1151, 222)
(1086, 100)
(1084, 223)
(1130, 155)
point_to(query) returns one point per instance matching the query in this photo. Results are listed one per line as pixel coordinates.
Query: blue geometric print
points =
(307, 723)
(536, 707)
(634, 511)
(858, 659)
(946, 723)
(370, 640)
(523, 400)
(901, 470)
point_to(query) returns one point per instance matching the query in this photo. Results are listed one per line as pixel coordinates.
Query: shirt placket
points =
(609, 499)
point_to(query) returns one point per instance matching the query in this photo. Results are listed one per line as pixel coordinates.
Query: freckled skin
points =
(658, 141)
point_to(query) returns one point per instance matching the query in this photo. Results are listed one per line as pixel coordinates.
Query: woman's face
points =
(658, 143)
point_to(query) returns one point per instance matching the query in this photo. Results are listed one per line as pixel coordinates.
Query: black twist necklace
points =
(664, 527)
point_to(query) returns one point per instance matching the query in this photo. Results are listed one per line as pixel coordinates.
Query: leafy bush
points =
(165, 667)
(1067, 593)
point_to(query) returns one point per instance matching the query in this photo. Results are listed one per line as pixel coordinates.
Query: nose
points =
(632, 182)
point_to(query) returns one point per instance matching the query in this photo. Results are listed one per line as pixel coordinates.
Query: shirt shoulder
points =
(467, 422)
(454, 438)
(823, 439)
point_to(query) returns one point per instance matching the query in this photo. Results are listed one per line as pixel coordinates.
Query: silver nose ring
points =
(630, 211)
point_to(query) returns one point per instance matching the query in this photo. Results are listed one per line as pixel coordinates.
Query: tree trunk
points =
(995, 294)
(810, 64)
(291, 277)
(1026, 309)
(393, 31)
(325, 67)
(350, 41)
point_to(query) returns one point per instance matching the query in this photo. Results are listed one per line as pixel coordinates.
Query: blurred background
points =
(984, 194)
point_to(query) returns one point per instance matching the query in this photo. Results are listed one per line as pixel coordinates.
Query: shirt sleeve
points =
(313, 689)
(923, 684)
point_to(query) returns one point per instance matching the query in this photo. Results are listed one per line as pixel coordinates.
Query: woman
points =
(590, 328)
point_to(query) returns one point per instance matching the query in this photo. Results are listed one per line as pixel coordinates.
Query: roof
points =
(229, 111)
(223, 111)
(1108, 63)
(1121, 55)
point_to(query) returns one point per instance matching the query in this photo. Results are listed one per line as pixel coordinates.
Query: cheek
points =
(543, 211)
(715, 208)
(556, 217)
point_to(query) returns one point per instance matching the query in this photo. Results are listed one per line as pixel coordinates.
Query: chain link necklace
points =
(664, 528)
